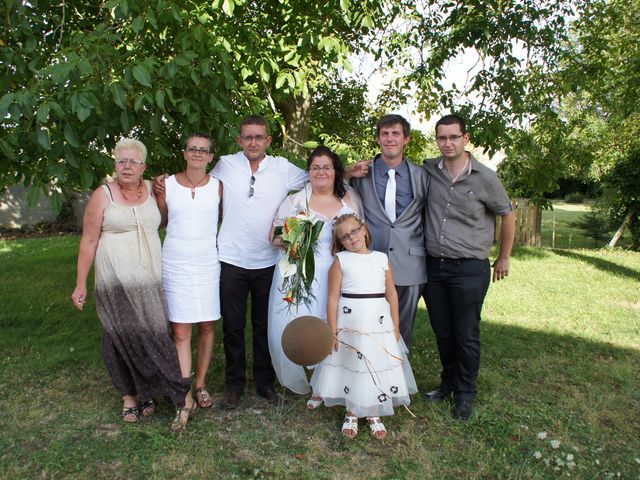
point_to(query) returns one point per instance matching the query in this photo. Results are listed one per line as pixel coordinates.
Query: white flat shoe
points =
(350, 426)
(377, 428)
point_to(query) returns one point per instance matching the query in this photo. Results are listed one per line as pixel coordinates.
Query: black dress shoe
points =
(439, 394)
(231, 400)
(463, 410)
(271, 395)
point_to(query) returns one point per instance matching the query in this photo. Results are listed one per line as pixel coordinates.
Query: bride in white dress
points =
(327, 197)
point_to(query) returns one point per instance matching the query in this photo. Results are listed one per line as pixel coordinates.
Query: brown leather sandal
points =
(147, 408)
(203, 398)
(183, 415)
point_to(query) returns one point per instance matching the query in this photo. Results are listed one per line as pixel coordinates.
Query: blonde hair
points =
(130, 144)
(336, 244)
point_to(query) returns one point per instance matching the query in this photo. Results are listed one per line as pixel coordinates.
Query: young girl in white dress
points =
(367, 371)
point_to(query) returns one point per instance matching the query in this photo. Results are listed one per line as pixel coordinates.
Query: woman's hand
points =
(335, 342)
(79, 297)
(277, 242)
(397, 334)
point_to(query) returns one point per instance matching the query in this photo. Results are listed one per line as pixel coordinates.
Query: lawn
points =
(559, 391)
(558, 231)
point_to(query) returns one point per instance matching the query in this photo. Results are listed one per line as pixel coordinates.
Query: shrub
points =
(596, 225)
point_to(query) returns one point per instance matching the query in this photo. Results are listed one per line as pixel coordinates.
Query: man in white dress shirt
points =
(254, 185)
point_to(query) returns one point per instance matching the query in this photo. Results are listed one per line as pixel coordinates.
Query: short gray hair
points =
(131, 144)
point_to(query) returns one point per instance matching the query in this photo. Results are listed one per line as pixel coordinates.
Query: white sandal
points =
(350, 424)
(314, 402)
(378, 431)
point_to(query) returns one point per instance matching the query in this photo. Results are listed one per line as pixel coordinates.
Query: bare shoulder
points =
(97, 203)
(100, 195)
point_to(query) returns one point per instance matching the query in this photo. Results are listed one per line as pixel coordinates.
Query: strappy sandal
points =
(130, 415)
(378, 431)
(313, 403)
(350, 425)
(183, 415)
(203, 398)
(147, 408)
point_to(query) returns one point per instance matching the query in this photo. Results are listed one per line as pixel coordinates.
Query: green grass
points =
(558, 220)
(560, 354)
(557, 231)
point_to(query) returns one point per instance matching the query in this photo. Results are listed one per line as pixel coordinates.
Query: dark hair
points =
(452, 119)
(254, 120)
(204, 135)
(391, 120)
(338, 182)
(336, 244)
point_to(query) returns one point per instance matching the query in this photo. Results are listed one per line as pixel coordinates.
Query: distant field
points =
(567, 236)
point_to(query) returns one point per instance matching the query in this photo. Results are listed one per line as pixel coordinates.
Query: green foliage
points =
(421, 147)
(589, 130)
(595, 225)
(80, 75)
(603, 107)
(517, 45)
(343, 119)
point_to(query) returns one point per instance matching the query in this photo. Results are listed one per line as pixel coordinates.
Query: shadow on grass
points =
(525, 253)
(530, 381)
(601, 264)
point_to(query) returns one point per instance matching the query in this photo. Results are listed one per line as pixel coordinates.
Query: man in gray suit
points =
(394, 197)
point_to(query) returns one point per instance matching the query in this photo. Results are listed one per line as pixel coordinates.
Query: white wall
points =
(16, 213)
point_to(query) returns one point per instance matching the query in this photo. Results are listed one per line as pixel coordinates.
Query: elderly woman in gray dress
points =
(120, 237)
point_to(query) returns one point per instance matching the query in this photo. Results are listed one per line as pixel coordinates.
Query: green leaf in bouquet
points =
(309, 268)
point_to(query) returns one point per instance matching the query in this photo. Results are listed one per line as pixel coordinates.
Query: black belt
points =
(364, 295)
(453, 260)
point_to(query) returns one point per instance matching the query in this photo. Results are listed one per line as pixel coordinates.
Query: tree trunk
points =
(297, 116)
(620, 231)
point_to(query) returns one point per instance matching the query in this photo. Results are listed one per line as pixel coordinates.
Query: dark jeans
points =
(235, 285)
(454, 295)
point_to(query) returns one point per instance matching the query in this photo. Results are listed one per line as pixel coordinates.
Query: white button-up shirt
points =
(243, 239)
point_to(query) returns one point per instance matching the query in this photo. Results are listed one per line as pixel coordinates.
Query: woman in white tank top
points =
(190, 267)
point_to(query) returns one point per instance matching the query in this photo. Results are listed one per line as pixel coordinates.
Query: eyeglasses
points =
(251, 138)
(451, 138)
(348, 235)
(324, 168)
(251, 191)
(202, 151)
(122, 162)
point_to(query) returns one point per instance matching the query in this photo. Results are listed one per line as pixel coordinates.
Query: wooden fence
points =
(528, 223)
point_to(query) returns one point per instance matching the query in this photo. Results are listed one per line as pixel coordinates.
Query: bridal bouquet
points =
(299, 237)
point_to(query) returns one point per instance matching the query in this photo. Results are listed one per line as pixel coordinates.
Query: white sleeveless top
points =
(190, 266)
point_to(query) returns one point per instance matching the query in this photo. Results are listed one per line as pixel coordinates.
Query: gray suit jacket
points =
(403, 240)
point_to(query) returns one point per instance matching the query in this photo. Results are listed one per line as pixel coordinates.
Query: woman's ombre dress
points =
(139, 354)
